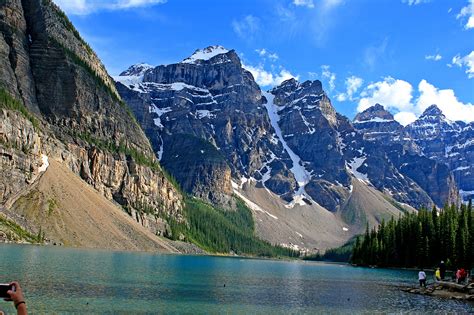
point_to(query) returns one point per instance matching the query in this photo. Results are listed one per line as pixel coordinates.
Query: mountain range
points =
(145, 140)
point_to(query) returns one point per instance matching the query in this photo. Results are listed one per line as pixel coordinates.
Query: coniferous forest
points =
(420, 239)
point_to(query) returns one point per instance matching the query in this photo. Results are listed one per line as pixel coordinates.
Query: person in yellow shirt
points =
(437, 274)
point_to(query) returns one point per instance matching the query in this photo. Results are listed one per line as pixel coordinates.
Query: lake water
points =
(62, 280)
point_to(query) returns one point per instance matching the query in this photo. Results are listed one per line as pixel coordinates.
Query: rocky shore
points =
(445, 289)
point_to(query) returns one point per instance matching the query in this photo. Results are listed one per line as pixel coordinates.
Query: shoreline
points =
(445, 290)
(112, 250)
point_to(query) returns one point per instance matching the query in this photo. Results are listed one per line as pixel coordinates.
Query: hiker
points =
(422, 278)
(461, 275)
(437, 274)
(17, 298)
(442, 270)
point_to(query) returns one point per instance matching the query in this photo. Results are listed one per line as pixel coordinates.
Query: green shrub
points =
(18, 230)
(7, 101)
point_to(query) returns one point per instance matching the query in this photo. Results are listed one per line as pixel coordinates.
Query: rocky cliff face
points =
(289, 140)
(447, 142)
(377, 124)
(308, 125)
(213, 107)
(333, 153)
(80, 120)
(418, 149)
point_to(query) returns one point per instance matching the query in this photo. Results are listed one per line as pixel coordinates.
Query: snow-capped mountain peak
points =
(133, 76)
(136, 70)
(434, 121)
(434, 111)
(206, 54)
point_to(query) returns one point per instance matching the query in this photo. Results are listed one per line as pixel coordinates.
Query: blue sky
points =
(405, 54)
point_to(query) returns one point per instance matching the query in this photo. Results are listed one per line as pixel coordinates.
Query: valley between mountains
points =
(162, 157)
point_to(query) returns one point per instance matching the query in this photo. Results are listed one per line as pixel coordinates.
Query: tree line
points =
(224, 231)
(420, 239)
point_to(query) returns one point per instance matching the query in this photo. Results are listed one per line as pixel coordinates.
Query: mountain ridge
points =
(303, 152)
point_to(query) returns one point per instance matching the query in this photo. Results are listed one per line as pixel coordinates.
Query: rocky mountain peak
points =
(290, 82)
(376, 123)
(136, 70)
(305, 97)
(376, 113)
(292, 85)
(432, 123)
(313, 86)
(206, 54)
(432, 113)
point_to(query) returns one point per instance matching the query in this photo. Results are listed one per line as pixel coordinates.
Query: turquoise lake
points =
(63, 280)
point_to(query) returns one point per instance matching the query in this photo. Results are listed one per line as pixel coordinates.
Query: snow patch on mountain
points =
(204, 113)
(133, 76)
(44, 165)
(353, 167)
(131, 81)
(375, 119)
(266, 176)
(302, 176)
(253, 206)
(161, 150)
(205, 54)
(159, 112)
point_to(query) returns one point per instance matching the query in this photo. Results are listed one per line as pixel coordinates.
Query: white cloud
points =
(415, 2)
(304, 3)
(313, 75)
(391, 93)
(84, 7)
(262, 52)
(436, 57)
(273, 56)
(405, 118)
(353, 83)
(268, 78)
(247, 27)
(446, 100)
(468, 11)
(329, 76)
(265, 53)
(397, 95)
(466, 61)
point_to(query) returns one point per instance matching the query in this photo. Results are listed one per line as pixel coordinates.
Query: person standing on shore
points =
(422, 278)
(442, 270)
(437, 274)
